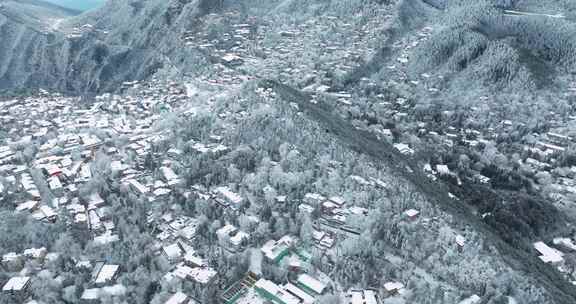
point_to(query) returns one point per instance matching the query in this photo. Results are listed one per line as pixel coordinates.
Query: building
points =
(362, 297)
(460, 242)
(169, 176)
(199, 276)
(48, 213)
(303, 296)
(232, 60)
(238, 240)
(275, 251)
(232, 199)
(274, 293)
(566, 243)
(203, 275)
(548, 254)
(37, 254)
(173, 253)
(192, 260)
(338, 201)
(404, 149)
(95, 201)
(174, 153)
(17, 285)
(91, 295)
(443, 170)
(55, 185)
(314, 199)
(12, 262)
(305, 208)
(28, 206)
(178, 298)
(231, 238)
(225, 232)
(310, 284)
(137, 187)
(558, 138)
(105, 274)
(475, 299)
(393, 288)
(106, 238)
(412, 214)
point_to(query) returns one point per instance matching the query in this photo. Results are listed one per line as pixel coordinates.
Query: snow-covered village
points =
(287, 152)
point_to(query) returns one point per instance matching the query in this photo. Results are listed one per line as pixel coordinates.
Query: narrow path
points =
(521, 13)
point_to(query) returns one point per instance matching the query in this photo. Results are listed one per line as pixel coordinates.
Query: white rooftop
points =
(312, 283)
(203, 275)
(548, 254)
(299, 293)
(177, 298)
(460, 240)
(276, 291)
(172, 251)
(411, 212)
(229, 195)
(106, 274)
(391, 286)
(363, 297)
(91, 294)
(16, 284)
(471, 300)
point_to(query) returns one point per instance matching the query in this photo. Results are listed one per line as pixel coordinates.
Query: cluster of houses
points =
(76, 33)
(103, 281)
(261, 47)
(49, 182)
(175, 244)
(49, 160)
(22, 267)
(305, 289)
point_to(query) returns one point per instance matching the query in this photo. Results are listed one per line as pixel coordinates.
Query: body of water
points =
(81, 5)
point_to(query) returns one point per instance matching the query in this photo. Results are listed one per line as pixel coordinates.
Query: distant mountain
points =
(132, 40)
(123, 40)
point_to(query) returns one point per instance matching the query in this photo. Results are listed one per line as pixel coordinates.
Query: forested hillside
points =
(288, 151)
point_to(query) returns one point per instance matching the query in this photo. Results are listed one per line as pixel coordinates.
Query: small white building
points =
(412, 213)
(273, 292)
(275, 251)
(233, 199)
(392, 288)
(471, 300)
(16, 285)
(404, 149)
(137, 187)
(178, 298)
(91, 295)
(303, 296)
(172, 252)
(363, 297)
(548, 254)
(311, 284)
(107, 274)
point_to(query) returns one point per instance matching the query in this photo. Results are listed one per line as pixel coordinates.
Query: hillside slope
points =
(95, 51)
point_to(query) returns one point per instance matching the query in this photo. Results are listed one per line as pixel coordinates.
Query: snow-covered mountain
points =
(93, 51)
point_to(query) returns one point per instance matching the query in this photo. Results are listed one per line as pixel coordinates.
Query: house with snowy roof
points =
(310, 284)
(17, 285)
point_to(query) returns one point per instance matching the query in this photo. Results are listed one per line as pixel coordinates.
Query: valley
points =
(288, 152)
